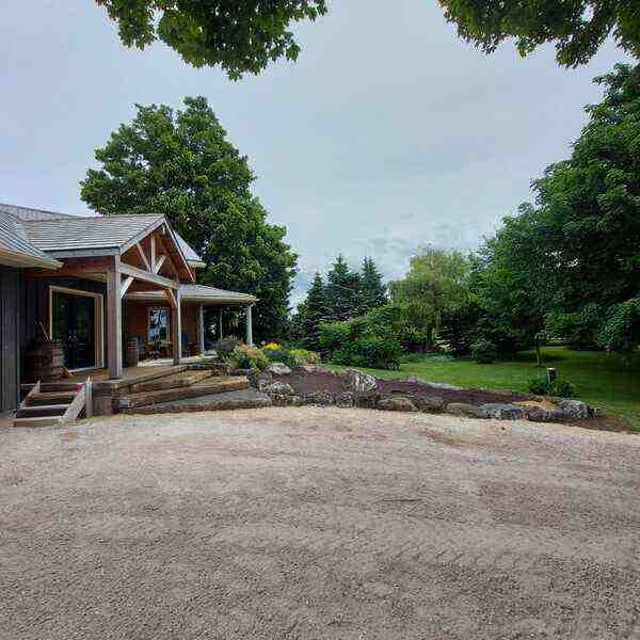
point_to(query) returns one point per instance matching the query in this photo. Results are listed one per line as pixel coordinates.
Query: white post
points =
(201, 328)
(177, 329)
(114, 320)
(249, 337)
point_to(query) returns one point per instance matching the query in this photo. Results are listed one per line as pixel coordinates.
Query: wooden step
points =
(35, 411)
(183, 379)
(68, 386)
(50, 397)
(207, 387)
(41, 421)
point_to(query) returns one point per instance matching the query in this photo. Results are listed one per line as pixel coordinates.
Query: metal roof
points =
(73, 233)
(16, 250)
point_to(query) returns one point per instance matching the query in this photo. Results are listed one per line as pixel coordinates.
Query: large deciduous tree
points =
(576, 27)
(572, 260)
(240, 36)
(435, 287)
(180, 163)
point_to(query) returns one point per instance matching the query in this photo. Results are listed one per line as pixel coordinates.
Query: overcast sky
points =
(388, 133)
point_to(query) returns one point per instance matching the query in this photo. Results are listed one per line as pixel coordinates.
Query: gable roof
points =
(16, 250)
(67, 235)
(192, 257)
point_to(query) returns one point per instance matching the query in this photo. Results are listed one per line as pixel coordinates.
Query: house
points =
(98, 285)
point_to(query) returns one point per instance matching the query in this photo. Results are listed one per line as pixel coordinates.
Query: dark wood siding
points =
(10, 320)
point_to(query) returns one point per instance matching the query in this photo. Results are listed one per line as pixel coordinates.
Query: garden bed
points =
(315, 385)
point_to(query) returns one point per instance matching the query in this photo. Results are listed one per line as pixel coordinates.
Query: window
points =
(158, 324)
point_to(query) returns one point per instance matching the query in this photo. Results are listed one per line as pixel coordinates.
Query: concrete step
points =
(241, 399)
(35, 411)
(182, 379)
(206, 387)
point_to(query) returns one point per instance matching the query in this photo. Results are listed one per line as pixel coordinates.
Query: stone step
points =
(183, 379)
(208, 386)
(241, 399)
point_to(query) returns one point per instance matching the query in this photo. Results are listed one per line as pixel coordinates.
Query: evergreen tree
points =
(312, 312)
(343, 291)
(373, 292)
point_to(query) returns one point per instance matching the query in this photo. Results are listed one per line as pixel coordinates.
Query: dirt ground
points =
(318, 524)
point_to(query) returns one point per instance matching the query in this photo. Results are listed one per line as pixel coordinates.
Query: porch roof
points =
(197, 293)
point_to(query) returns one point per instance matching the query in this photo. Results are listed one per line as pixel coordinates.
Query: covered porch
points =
(150, 324)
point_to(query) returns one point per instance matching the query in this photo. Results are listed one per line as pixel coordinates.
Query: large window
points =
(158, 324)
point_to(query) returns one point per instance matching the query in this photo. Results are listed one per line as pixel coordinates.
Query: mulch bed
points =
(305, 383)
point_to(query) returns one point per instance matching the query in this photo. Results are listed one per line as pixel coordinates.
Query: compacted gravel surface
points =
(318, 523)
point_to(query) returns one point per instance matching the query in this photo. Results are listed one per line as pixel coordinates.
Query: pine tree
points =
(313, 311)
(373, 292)
(343, 291)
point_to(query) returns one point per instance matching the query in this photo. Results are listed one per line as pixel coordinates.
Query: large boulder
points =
(360, 382)
(397, 403)
(321, 398)
(502, 411)
(428, 404)
(464, 409)
(279, 369)
(574, 409)
(279, 389)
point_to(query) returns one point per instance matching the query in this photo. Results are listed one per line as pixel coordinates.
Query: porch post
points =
(201, 327)
(249, 327)
(176, 325)
(220, 336)
(114, 320)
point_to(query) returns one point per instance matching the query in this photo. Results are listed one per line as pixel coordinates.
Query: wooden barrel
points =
(45, 361)
(133, 352)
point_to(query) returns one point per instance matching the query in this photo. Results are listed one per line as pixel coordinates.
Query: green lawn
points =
(600, 379)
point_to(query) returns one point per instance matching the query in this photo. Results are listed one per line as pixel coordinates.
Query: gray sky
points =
(389, 132)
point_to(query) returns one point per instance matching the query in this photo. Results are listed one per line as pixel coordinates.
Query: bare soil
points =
(318, 523)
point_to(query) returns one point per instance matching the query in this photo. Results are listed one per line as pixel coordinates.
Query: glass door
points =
(74, 324)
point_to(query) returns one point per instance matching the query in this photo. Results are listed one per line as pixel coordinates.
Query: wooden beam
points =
(143, 256)
(126, 283)
(146, 276)
(176, 325)
(152, 244)
(159, 262)
(114, 319)
(173, 302)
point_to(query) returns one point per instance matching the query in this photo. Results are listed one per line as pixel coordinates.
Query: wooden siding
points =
(10, 316)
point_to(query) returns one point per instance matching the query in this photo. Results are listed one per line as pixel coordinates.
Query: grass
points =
(602, 380)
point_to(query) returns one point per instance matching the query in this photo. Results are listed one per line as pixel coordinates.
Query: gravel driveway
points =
(318, 523)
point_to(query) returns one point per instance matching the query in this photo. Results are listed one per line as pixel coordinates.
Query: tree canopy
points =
(241, 37)
(576, 27)
(180, 163)
(570, 262)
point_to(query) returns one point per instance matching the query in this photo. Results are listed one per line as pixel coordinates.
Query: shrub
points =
(298, 357)
(560, 388)
(484, 351)
(275, 352)
(246, 357)
(370, 351)
(224, 348)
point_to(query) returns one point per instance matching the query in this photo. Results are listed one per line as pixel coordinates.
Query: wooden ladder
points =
(50, 403)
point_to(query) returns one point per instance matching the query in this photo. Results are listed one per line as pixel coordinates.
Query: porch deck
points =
(130, 375)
